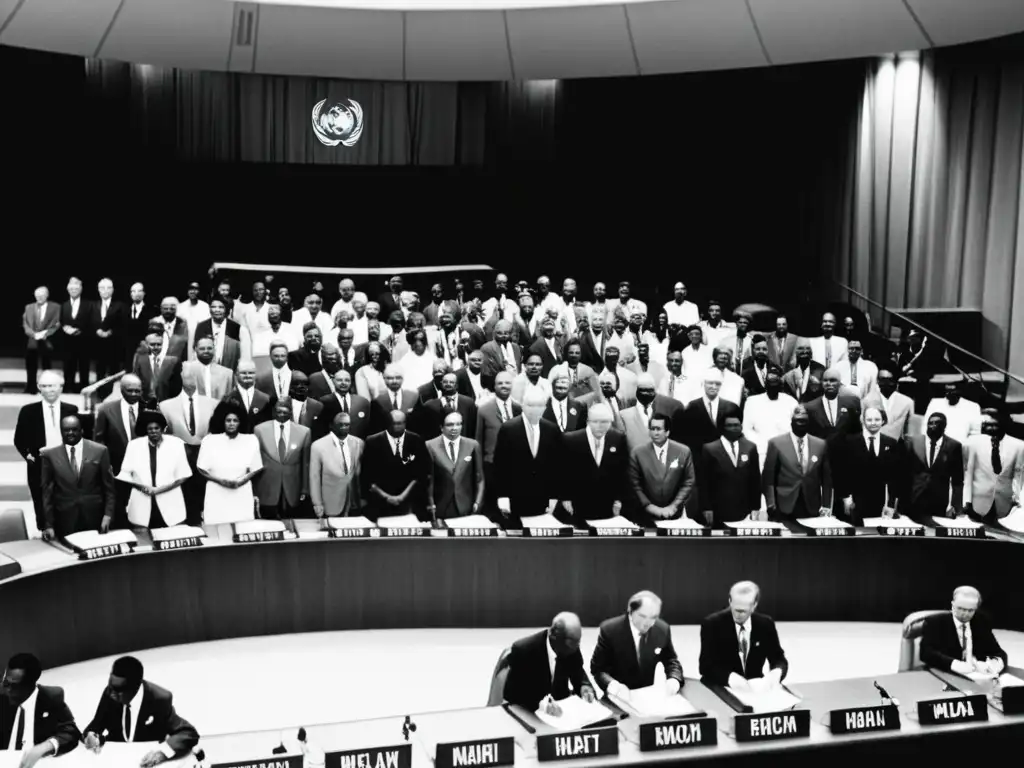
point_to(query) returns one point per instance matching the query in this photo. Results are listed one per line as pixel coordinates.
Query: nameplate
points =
(598, 742)
(752, 531)
(864, 719)
(250, 538)
(542, 533)
(403, 532)
(291, 761)
(844, 531)
(398, 756)
(959, 709)
(487, 752)
(353, 533)
(470, 533)
(186, 543)
(770, 726)
(678, 734)
(892, 531)
(1013, 700)
(960, 533)
(615, 532)
(683, 531)
(110, 550)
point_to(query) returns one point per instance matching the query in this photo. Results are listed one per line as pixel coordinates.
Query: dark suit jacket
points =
(477, 337)
(157, 721)
(465, 386)
(52, 719)
(116, 319)
(30, 433)
(930, 486)
(697, 429)
(590, 354)
(382, 405)
(731, 492)
(940, 641)
(177, 346)
(494, 359)
(31, 325)
(305, 361)
(573, 421)
(392, 474)
(668, 484)
(73, 504)
(528, 481)
(549, 361)
(81, 321)
(487, 425)
(357, 405)
(429, 421)
(615, 657)
(789, 382)
(750, 378)
(788, 358)
(426, 392)
(866, 478)
(109, 430)
(591, 488)
(783, 481)
(166, 384)
(455, 488)
(205, 328)
(529, 674)
(720, 649)
(846, 411)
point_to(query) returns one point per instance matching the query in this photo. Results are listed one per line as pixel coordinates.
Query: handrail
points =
(272, 268)
(92, 389)
(929, 332)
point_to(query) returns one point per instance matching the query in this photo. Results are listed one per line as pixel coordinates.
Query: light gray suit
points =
(454, 488)
(983, 488)
(898, 413)
(174, 411)
(329, 486)
(782, 480)
(288, 477)
(222, 381)
(668, 484)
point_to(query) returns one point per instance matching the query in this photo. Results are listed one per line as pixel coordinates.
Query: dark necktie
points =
(800, 453)
(191, 417)
(344, 461)
(152, 464)
(744, 647)
(451, 451)
(282, 446)
(394, 400)
(853, 374)
(344, 404)
(398, 448)
(735, 458)
(874, 451)
(997, 461)
(131, 421)
(135, 311)
(560, 681)
(19, 739)
(127, 722)
(931, 454)
(74, 462)
(451, 403)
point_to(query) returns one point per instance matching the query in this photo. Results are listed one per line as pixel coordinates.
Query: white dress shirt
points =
(552, 657)
(592, 439)
(343, 447)
(713, 337)
(474, 382)
(297, 406)
(126, 419)
(966, 637)
(682, 314)
(696, 361)
(878, 442)
(26, 713)
(732, 450)
(246, 395)
(928, 448)
(510, 358)
(551, 347)
(561, 412)
(193, 314)
(282, 378)
(323, 321)
(684, 389)
(51, 423)
(285, 332)
(396, 443)
(711, 406)
(75, 304)
(447, 444)
(104, 308)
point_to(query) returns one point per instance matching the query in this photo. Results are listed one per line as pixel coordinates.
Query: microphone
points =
(408, 727)
(884, 693)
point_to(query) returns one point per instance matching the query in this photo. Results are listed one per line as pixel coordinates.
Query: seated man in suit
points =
(34, 717)
(736, 642)
(133, 709)
(995, 470)
(662, 475)
(870, 470)
(597, 466)
(334, 464)
(283, 485)
(936, 463)
(962, 643)
(629, 647)
(729, 476)
(797, 477)
(455, 482)
(78, 487)
(546, 664)
(834, 414)
(563, 411)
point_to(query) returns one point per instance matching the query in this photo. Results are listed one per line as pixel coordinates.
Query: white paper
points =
(177, 532)
(349, 522)
(90, 539)
(654, 701)
(1014, 521)
(755, 524)
(823, 522)
(576, 714)
(960, 522)
(470, 521)
(259, 526)
(680, 522)
(612, 522)
(543, 521)
(774, 699)
(890, 522)
(1010, 681)
(402, 521)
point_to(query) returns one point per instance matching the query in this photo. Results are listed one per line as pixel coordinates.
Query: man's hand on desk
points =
(615, 688)
(32, 756)
(552, 503)
(48, 534)
(394, 501)
(105, 524)
(991, 666)
(616, 508)
(962, 667)
(153, 758)
(739, 683)
(505, 506)
(551, 707)
(672, 686)
(587, 694)
(661, 512)
(92, 742)
(318, 510)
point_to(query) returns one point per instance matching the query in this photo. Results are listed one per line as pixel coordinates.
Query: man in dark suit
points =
(432, 411)
(735, 643)
(138, 315)
(636, 419)
(115, 428)
(160, 374)
(629, 647)
(74, 337)
(394, 471)
(962, 643)
(594, 339)
(527, 460)
(797, 477)
(703, 418)
(40, 322)
(547, 346)
(305, 411)
(256, 403)
(344, 401)
(432, 389)
(455, 483)
(597, 461)
(564, 412)
(501, 354)
(133, 709)
(228, 349)
(803, 381)
(547, 664)
(936, 473)
(321, 383)
(52, 726)
(833, 415)
(391, 300)
(348, 357)
(782, 345)
(107, 320)
(307, 359)
(489, 417)
(757, 367)
(38, 427)
(729, 476)
(396, 398)
(662, 475)
(870, 471)
(175, 330)
(78, 487)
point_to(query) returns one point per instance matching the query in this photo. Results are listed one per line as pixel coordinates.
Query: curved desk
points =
(86, 610)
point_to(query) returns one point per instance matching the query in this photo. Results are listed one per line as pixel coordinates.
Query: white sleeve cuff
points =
(56, 746)
(168, 752)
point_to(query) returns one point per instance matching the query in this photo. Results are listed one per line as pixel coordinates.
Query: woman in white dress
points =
(418, 364)
(370, 377)
(229, 459)
(155, 466)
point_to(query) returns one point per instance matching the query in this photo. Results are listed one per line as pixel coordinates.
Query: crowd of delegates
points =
(526, 403)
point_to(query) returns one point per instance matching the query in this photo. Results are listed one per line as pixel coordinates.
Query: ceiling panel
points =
(691, 36)
(570, 42)
(450, 46)
(192, 33)
(820, 30)
(64, 26)
(958, 21)
(330, 43)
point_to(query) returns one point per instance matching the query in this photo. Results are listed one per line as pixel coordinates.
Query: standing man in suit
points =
(188, 417)
(283, 485)
(797, 477)
(214, 380)
(133, 709)
(139, 313)
(636, 419)
(856, 372)
(160, 374)
(898, 408)
(231, 341)
(78, 488)
(768, 415)
(107, 320)
(455, 483)
(501, 354)
(277, 381)
(432, 389)
(995, 470)
(396, 398)
(964, 642)
(593, 340)
(729, 476)
(547, 664)
(527, 457)
(334, 465)
(308, 359)
(256, 403)
(782, 345)
(703, 418)
(433, 410)
(34, 717)
(548, 346)
(174, 342)
(344, 401)
(115, 428)
(606, 394)
(834, 414)
(306, 412)
(75, 337)
(758, 366)
(828, 348)
(489, 419)
(661, 473)
(629, 647)
(563, 411)
(393, 475)
(803, 382)
(38, 427)
(936, 473)
(40, 321)
(470, 378)
(736, 643)
(597, 460)
(870, 470)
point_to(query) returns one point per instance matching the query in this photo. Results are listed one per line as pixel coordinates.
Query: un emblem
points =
(339, 123)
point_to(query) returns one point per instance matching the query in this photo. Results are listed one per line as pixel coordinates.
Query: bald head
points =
(565, 634)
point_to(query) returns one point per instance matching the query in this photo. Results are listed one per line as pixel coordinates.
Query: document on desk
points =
(612, 522)
(823, 522)
(576, 714)
(93, 539)
(680, 522)
(543, 521)
(469, 521)
(773, 699)
(351, 522)
(654, 701)
(259, 526)
(960, 522)
(890, 522)
(178, 532)
(1006, 680)
(401, 521)
(1014, 521)
(113, 753)
(741, 524)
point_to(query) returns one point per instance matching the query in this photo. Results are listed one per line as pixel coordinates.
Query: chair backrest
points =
(910, 645)
(497, 693)
(12, 525)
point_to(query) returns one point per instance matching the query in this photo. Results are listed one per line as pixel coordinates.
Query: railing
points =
(91, 392)
(344, 271)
